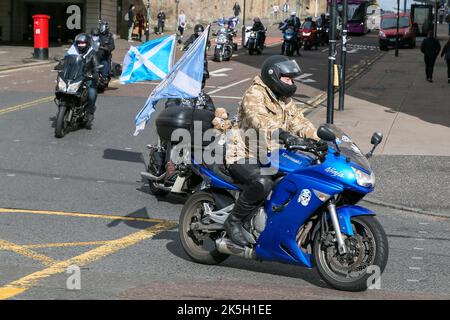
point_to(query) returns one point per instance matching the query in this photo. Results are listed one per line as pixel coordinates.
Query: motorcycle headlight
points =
(363, 179)
(306, 34)
(61, 85)
(73, 87)
(222, 39)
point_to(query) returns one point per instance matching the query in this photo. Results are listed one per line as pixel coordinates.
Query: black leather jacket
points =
(106, 45)
(91, 65)
(258, 26)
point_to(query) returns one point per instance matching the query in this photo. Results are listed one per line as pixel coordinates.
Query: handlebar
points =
(321, 154)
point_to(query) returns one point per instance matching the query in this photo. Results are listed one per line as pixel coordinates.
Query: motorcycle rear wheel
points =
(368, 247)
(61, 123)
(194, 241)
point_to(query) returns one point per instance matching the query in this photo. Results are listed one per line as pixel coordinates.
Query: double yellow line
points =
(26, 105)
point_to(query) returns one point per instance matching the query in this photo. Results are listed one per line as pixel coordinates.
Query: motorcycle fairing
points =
(345, 213)
(286, 214)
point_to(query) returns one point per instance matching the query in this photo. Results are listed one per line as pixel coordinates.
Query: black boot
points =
(233, 227)
(89, 120)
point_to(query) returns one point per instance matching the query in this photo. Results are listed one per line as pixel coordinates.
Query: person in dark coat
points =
(236, 9)
(106, 48)
(261, 35)
(130, 17)
(141, 22)
(430, 48)
(446, 55)
(161, 21)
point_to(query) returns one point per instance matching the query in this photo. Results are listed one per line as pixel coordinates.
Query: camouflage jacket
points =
(262, 111)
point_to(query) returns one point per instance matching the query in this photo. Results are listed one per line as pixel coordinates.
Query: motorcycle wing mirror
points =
(376, 139)
(325, 134)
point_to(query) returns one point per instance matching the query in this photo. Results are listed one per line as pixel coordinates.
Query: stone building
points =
(69, 17)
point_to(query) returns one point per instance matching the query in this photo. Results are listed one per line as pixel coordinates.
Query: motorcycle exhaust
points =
(228, 247)
(151, 177)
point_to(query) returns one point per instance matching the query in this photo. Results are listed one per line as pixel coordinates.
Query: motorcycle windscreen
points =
(289, 68)
(73, 68)
(348, 148)
(307, 25)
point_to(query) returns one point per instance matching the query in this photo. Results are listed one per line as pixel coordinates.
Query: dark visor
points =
(289, 68)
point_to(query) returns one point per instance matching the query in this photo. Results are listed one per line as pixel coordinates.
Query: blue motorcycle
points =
(310, 218)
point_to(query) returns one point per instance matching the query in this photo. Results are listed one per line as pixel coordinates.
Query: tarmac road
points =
(80, 201)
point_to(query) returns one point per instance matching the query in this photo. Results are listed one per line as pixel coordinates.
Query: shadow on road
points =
(140, 213)
(121, 155)
(170, 198)
(274, 268)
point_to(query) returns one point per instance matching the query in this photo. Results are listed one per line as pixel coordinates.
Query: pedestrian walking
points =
(161, 21)
(236, 9)
(285, 9)
(447, 19)
(276, 8)
(446, 55)
(130, 18)
(181, 23)
(141, 22)
(430, 48)
(441, 14)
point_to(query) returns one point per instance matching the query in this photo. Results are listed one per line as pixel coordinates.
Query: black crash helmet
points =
(198, 29)
(273, 69)
(95, 32)
(103, 27)
(83, 42)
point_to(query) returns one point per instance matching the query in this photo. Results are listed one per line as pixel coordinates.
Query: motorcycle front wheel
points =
(368, 247)
(61, 122)
(199, 245)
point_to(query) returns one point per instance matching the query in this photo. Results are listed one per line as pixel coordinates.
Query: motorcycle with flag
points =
(184, 84)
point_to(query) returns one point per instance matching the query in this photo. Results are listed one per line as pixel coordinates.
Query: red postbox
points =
(41, 36)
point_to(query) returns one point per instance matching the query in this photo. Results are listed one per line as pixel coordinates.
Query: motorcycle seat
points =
(220, 171)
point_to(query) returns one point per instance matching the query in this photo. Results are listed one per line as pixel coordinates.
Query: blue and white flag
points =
(184, 81)
(152, 60)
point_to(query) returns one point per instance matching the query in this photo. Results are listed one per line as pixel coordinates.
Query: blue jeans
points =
(106, 67)
(92, 97)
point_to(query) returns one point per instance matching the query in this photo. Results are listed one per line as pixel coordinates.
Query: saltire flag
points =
(151, 60)
(184, 81)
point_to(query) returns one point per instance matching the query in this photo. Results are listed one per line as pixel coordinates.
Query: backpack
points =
(126, 17)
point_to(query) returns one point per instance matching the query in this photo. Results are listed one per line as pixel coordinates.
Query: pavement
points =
(393, 97)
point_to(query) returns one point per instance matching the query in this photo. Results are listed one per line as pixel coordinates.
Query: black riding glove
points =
(288, 139)
(321, 145)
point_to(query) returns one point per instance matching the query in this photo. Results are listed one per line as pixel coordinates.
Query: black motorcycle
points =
(253, 43)
(71, 95)
(225, 46)
(168, 170)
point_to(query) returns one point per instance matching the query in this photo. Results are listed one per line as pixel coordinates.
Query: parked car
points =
(388, 31)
